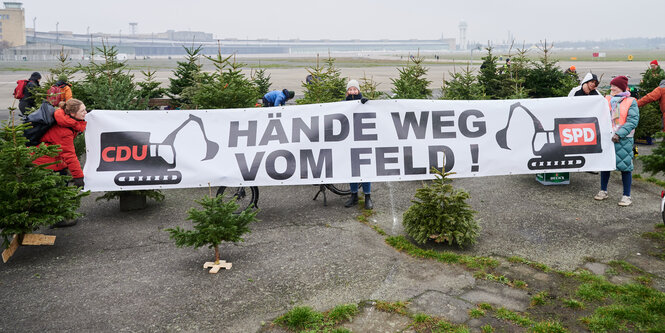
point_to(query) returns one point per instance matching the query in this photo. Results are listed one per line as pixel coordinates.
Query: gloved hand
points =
(78, 182)
(364, 100)
(615, 138)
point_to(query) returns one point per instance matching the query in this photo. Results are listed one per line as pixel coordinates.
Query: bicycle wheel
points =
(339, 189)
(245, 196)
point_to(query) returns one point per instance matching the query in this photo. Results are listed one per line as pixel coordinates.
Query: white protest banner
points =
(382, 140)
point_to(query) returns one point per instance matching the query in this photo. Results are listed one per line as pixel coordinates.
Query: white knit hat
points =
(352, 83)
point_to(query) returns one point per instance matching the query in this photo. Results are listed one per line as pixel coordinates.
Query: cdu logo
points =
(148, 163)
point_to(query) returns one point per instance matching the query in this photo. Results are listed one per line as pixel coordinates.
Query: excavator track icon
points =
(132, 151)
(570, 136)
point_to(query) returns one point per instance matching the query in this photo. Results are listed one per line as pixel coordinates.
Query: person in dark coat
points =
(277, 98)
(588, 86)
(28, 100)
(352, 94)
(625, 115)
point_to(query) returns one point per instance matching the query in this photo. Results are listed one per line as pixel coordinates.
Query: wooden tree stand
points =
(216, 265)
(26, 239)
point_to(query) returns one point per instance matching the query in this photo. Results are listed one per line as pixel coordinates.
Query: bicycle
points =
(248, 196)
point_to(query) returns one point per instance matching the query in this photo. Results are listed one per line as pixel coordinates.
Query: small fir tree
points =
(31, 196)
(412, 82)
(489, 77)
(225, 88)
(650, 80)
(262, 81)
(370, 88)
(214, 224)
(441, 213)
(655, 162)
(107, 85)
(327, 84)
(185, 75)
(545, 79)
(148, 89)
(462, 86)
(513, 88)
(651, 121)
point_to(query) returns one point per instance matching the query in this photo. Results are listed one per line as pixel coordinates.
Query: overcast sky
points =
(525, 20)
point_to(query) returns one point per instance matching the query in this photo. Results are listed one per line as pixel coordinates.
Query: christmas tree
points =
(412, 83)
(327, 84)
(463, 85)
(214, 224)
(185, 75)
(31, 196)
(262, 81)
(225, 88)
(441, 213)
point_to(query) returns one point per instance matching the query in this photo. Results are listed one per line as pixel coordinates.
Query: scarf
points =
(614, 103)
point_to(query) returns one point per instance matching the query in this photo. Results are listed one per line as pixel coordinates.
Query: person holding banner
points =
(625, 115)
(352, 94)
(588, 86)
(69, 122)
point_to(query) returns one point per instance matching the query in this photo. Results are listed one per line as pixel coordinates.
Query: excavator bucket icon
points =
(122, 151)
(569, 136)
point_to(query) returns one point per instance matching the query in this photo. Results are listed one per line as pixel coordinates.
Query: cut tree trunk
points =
(216, 265)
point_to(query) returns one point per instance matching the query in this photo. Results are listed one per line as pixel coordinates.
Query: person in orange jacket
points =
(66, 88)
(657, 94)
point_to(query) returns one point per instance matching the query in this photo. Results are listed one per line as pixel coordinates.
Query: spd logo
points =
(583, 134)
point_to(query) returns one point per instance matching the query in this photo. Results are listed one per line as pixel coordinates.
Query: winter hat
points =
(35, 76)
(573, 68)
(590, 77)
(288, 93)
(654, 62)
(353, 83)
(620, 82)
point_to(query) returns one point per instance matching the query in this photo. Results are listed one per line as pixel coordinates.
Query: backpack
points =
(54, 95)
(41, 120)
(20, 87)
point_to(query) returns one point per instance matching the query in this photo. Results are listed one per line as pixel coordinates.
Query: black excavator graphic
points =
(121, 151)
(569, 136)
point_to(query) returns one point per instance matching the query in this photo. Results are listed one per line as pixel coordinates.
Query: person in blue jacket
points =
(277, 98)
(625, 116)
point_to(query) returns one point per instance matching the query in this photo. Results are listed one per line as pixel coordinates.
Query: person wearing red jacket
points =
(69, 122)
(657, 94)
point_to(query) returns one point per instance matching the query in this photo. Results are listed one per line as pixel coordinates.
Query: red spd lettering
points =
(578, 134)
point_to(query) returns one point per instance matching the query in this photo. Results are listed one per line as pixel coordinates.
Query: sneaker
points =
(602, 195)
(625, 201)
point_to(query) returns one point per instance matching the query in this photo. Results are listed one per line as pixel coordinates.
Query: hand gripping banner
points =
(382, 140)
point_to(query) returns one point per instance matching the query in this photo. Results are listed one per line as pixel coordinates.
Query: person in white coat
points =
(588, 86)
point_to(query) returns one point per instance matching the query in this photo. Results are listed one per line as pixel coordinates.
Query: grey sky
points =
(526, 20)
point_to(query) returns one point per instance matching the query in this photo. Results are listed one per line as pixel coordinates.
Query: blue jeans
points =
(367, 187)
(626, 179)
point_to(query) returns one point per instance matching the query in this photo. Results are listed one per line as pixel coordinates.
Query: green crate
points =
(558, 178)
